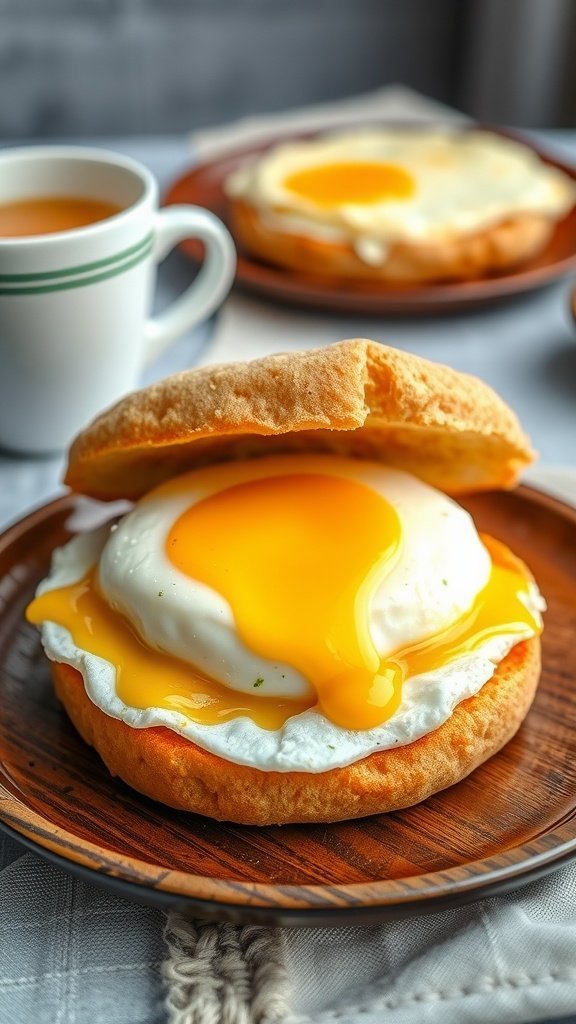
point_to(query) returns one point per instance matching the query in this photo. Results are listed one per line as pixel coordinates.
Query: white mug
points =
(73, 304)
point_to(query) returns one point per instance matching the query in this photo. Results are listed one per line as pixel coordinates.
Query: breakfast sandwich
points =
(295, 622)
(398, 205)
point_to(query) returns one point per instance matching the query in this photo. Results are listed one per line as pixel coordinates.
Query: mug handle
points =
(212, 283)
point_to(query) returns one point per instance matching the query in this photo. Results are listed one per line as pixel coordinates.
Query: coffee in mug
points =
(44, 215)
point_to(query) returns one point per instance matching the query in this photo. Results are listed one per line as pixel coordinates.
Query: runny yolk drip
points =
(146, 677)
(342, 184)
(298, 558)
(288, 555)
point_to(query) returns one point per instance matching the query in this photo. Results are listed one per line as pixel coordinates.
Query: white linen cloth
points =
(391, 103)
(72, 954)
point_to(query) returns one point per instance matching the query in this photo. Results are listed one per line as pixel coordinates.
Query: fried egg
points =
(292, 613)
(372, 188)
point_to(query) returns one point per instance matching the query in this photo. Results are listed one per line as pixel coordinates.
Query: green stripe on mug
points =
(87, 279)
(84, 268)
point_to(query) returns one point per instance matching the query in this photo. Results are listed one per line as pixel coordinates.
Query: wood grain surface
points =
(203, 186)
(512, 819)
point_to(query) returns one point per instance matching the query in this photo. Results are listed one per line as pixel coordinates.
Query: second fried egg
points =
(375, 187)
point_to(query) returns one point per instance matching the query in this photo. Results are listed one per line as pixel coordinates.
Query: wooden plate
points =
(203, 186)
(512, 820)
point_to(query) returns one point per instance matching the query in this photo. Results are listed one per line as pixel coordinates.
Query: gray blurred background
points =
(118, 67)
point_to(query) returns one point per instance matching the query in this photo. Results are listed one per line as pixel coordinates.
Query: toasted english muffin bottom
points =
(164, 766)
(494, 249)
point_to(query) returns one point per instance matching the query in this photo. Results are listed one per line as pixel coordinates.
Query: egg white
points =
(441, 568)
(464, 182)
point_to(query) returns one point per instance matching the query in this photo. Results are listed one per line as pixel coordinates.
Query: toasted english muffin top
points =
(356, 398)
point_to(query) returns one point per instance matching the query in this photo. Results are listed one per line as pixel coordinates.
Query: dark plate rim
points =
(362, 914)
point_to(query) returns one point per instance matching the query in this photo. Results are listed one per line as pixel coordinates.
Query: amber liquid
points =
(46, 215)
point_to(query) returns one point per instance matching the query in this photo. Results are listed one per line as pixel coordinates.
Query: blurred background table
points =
(526, 349)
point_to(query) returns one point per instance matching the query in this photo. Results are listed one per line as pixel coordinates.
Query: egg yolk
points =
(339, 184)
(298, 558)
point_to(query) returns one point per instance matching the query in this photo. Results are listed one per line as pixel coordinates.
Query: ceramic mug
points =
(73, 304)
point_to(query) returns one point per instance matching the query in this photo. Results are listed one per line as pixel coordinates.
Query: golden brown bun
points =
(165, 766)
(355, 398)
(494, 249)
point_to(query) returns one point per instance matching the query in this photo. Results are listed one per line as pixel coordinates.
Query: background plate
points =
(203, 186)
(510, 821)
